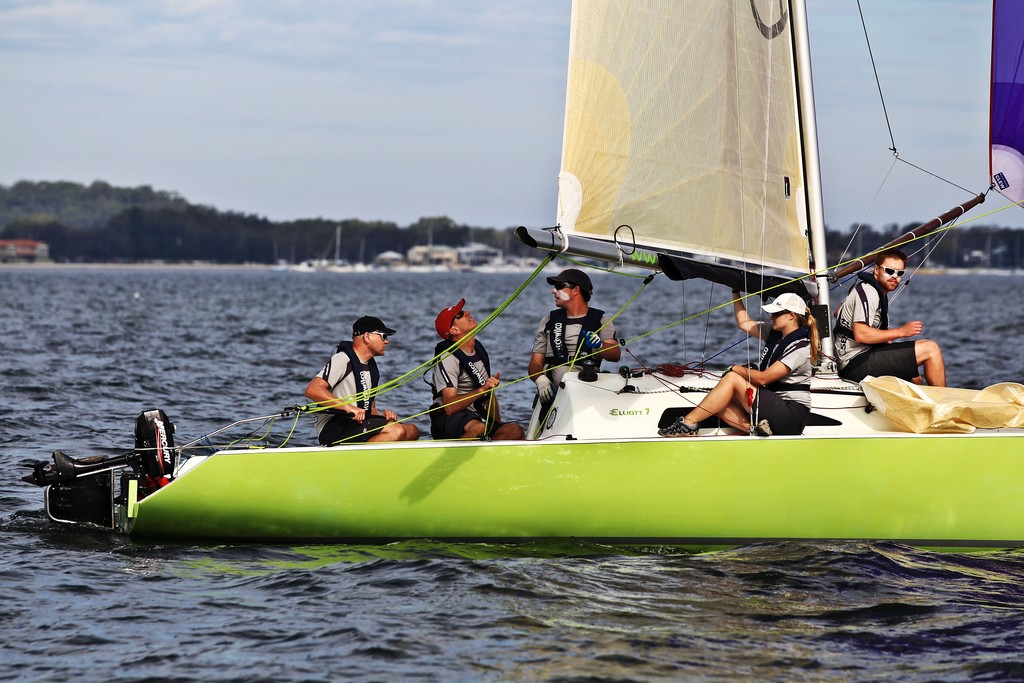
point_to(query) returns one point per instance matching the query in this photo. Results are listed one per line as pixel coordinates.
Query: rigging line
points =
(629, 302)
(268, 423)
(868, 210)
(291, 432)
(878, 82)
(664, 383)
(579, 346)
(954, 223)
(906, 282)
(885, 111)
(425, 367)
(487, 321)
(766, 154)
(421, 369)
(682, 297)
(698, 369)
(707, 326)
(933, 175)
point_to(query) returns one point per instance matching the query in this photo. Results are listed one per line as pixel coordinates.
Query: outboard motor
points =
(81, 490)
(154, 442)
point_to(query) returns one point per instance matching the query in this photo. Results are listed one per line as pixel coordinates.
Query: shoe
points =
(678, 428)
(763, 428)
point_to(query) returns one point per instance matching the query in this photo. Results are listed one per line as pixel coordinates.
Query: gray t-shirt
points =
(861, 306)
(337, 373)
(796, 357)
(449, 373)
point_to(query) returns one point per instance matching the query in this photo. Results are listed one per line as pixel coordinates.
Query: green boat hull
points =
(944, 490)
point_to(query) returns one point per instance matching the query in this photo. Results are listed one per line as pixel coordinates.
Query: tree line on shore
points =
(102, 223)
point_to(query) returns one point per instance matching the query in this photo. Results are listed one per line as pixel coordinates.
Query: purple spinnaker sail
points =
(1007, 113)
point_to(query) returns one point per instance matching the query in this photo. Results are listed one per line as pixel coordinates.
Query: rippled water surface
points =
(83, 351)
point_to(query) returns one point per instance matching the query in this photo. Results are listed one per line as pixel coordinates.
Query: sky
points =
(395, 110)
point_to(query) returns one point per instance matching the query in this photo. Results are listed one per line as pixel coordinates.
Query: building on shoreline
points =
(24, 251)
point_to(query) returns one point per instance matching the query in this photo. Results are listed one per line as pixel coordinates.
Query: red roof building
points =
(14, 251)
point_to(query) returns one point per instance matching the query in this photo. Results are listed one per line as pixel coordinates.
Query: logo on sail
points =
(776, 29)
(1001, 181)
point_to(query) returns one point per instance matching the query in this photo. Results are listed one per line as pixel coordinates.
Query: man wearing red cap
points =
(344, 387)
(465, 402)
(572, 335)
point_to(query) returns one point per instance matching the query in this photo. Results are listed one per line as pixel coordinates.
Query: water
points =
(85, 350)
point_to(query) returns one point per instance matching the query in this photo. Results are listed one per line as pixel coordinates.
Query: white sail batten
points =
(682, 122)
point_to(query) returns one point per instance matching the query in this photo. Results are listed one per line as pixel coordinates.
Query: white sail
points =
(682, 123)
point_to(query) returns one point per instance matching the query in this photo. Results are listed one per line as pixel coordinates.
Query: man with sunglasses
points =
(866, 345)
(465, 403)
(572, 335)
(343, 387)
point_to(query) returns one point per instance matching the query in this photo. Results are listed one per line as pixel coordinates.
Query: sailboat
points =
(323, 264)
(690, 150)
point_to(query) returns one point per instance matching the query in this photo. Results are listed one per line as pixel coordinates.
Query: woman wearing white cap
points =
(776, 396)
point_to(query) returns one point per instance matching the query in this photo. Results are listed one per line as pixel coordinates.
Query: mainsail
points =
(1006, 132)
(682, 122)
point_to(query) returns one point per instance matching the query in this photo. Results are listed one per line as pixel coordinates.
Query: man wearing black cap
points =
(574, 334)
(465, 404)
(343, 386)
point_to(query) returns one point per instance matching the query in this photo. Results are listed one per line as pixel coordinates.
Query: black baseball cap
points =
(573, 276)
(369, 323)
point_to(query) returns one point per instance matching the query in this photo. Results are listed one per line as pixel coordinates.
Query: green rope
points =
(421, 369)
(579, 347)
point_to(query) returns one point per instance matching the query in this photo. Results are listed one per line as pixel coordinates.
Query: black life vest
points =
(559, 353)
(883, 305)
(469, 367)
(465, 360)
(356, 366)
(775, 346)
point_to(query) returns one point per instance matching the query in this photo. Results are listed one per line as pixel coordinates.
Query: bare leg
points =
(510, 431)
(396, 431)
(930, 356)
(728, 400)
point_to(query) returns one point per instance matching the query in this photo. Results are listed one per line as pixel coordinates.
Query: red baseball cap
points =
(443, 321)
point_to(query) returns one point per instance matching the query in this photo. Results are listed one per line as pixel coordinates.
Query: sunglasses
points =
(458, 316)
(892, 272)
(564, 285)
(383, 335)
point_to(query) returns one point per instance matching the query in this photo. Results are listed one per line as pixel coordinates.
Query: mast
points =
(809, 139)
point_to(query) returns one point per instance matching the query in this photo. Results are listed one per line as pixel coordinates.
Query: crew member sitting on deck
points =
(864, 343)
(352, 372)
(778, 392)
(465, 402)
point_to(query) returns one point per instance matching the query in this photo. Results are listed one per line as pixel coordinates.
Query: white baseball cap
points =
(786, 302)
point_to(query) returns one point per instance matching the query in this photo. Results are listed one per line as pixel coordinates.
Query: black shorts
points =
(342, 429)
(785, 417)
(445, 426)
(897, 360)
